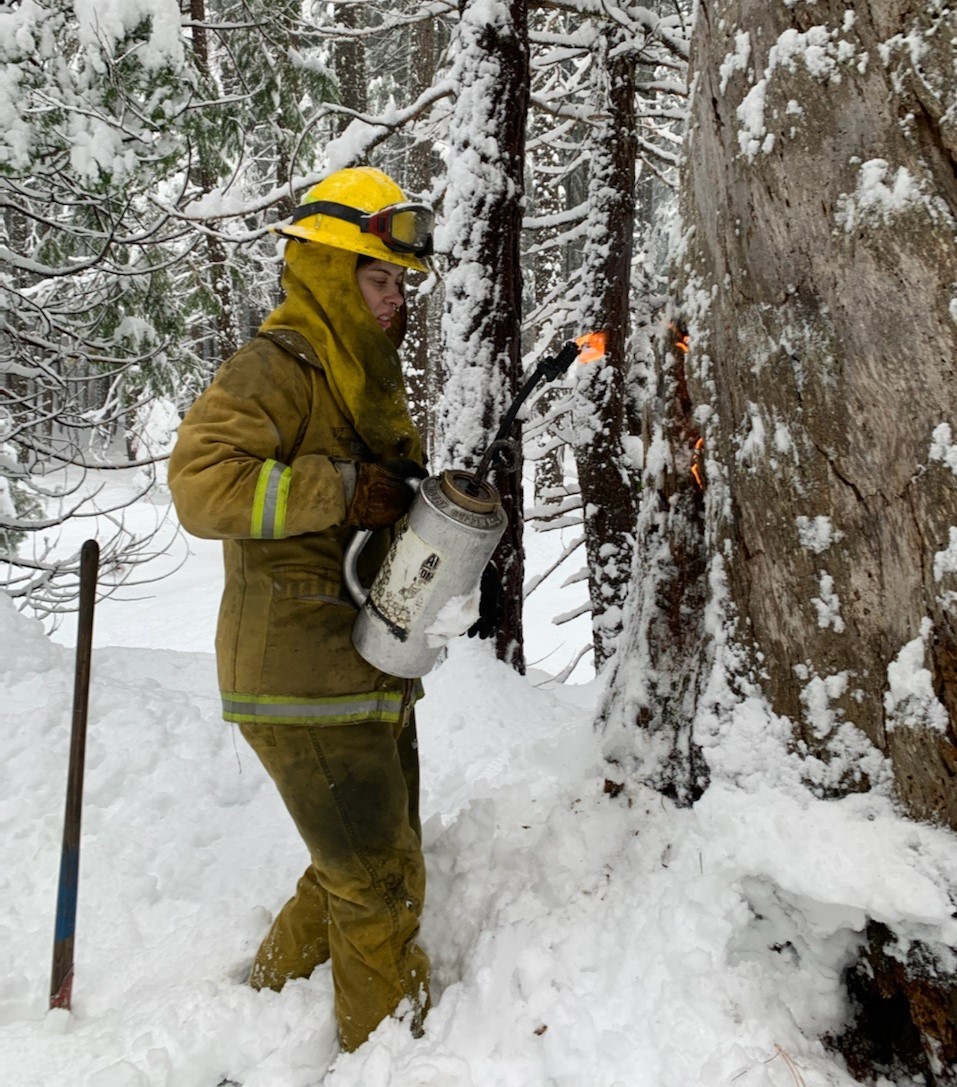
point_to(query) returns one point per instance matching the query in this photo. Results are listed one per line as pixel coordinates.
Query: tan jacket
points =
(253, 466)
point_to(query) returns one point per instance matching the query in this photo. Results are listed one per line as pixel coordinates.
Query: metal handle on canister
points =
(350, 560)
(358, 592)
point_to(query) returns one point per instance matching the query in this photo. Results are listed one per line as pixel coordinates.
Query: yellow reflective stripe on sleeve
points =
(269, 504)
(341, 709)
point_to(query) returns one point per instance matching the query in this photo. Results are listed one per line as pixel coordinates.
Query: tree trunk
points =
(606, 482)
(349, 59)
(819, 272)
(546, 197)
(349, 56)
(828, 352)
(482, 328)
(654, 680)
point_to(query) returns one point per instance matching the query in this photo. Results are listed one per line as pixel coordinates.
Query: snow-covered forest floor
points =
(577, 940)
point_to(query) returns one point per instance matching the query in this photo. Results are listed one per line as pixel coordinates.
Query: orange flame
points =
(592, 346)
(697, 464)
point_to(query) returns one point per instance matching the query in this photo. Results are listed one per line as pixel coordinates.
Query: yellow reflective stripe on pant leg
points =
(269, 504)
(341, 709)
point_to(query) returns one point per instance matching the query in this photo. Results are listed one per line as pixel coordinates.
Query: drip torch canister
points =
(443, 546)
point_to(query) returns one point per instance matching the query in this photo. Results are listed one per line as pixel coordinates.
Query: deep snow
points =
(578, 940)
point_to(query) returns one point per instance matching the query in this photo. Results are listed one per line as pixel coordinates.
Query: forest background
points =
(756, 202)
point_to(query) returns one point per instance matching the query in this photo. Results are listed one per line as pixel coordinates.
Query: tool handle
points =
(61, 977)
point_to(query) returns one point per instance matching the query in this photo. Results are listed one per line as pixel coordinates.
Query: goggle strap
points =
(329, 207)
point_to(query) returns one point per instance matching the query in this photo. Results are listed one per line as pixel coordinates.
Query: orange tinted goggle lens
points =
(406, 228)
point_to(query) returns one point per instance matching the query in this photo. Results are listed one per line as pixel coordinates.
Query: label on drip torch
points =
(401, 589)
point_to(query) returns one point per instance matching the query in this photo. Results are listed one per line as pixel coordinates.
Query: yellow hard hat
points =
(361, 209)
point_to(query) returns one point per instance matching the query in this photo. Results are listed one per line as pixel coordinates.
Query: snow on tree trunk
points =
(654, 678)
(483, 215)
(419, 354)
(598, 409)
(819, 272)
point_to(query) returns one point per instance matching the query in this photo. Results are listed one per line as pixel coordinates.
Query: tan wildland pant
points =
(352, 790)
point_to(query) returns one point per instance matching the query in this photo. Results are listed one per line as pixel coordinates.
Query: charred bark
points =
(904, 1013)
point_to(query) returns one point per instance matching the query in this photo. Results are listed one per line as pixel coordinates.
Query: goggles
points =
(403, 228)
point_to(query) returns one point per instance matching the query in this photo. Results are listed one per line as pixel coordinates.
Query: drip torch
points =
(445, 542)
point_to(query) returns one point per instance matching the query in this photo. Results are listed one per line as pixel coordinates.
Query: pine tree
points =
(796, 621)
(135, 187)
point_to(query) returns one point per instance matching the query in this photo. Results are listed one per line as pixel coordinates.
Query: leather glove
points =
(405, 469)
(381, 495)
(491, 604)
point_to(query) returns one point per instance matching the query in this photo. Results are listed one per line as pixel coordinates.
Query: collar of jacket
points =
(324, 306)
(295, 343)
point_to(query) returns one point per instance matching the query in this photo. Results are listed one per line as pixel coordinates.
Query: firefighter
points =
(303, 436)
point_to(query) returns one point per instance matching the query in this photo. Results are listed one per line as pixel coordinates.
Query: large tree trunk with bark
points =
(823, 197)
(819, 271)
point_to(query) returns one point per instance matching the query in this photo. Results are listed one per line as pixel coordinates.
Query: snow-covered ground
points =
(577, 940)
